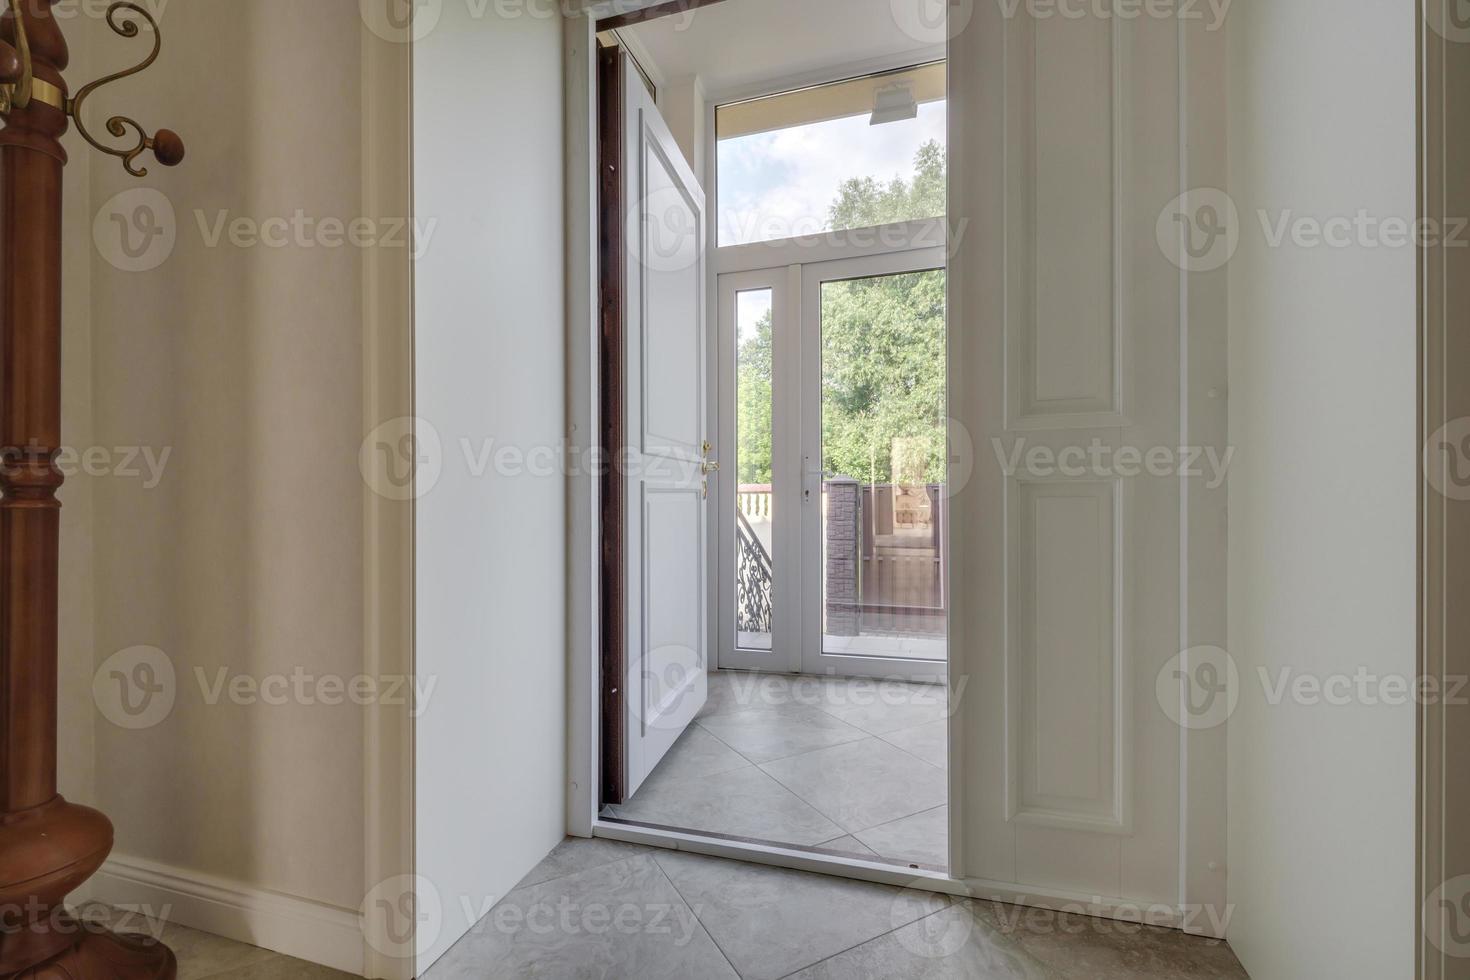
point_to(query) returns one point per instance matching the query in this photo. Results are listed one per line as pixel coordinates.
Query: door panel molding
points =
(1068, 327)
(1068, 673)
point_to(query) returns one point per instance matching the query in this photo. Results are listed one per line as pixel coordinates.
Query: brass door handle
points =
(709, 466)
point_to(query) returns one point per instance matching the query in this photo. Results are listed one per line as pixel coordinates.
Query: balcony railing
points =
(754, 578)
(885, 558)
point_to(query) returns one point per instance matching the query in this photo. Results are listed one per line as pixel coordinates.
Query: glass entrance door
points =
(875, 460)
(834, 550)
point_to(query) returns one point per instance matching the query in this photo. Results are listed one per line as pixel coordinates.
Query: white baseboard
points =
(298, 927)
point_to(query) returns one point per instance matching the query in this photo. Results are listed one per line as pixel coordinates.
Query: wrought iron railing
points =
(754, 579)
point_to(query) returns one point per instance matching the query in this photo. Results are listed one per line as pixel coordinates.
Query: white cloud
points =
(781, 184)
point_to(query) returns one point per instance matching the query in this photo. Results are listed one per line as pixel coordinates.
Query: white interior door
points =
(666, 469)
(1075, 577)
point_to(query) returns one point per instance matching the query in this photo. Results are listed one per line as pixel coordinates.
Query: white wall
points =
(1322, 494)
(683, 105)
(490, 341)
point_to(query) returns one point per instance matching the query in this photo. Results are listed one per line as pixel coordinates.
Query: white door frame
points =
(795, 272)
(974, 106)
(785, 653)
(814, 658)
(788, 267)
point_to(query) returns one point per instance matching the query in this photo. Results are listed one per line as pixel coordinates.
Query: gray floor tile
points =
(698, 753)
(929, 741)
(577, 854)
(922, 838)
(863, 784)
(734, 690)
(879, 707)
(771, 921)
(948, 945)
(740, 803)
(1079, 947)
(274, 968)
(849, 846)
(622, 920)
(203, 955)
(768, 734)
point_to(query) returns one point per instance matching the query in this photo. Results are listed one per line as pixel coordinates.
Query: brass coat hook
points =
(167, 147)
(19, 87)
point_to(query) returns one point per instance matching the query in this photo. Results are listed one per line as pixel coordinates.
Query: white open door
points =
(667, 466)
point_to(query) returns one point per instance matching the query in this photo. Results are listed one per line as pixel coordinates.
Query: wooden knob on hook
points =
(168, 148)
(10, 65)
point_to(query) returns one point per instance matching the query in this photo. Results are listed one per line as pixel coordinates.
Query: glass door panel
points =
(878, 451)
(754, 512)
(758, 557)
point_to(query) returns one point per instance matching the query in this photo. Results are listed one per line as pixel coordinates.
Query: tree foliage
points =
(883, 352)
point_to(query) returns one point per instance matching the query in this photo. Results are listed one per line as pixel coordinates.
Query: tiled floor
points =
(597, 908)
(854, 767)
(202, 956)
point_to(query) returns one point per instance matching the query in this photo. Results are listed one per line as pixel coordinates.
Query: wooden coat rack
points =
(48, 847)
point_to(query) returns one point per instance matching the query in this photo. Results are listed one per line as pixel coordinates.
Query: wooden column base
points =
(46, 853)
(107, 956)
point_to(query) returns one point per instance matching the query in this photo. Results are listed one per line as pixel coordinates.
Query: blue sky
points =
(780, 184)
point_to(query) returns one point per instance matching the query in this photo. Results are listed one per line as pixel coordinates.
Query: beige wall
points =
(76, 728)
(1322, 494)
(245, 363)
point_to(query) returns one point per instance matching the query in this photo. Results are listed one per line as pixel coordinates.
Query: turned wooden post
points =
(48, 847)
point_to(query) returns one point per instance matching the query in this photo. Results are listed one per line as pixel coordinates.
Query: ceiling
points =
(738, 44)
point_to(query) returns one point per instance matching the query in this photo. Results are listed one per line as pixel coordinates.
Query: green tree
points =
(754, 423)
(883, 351)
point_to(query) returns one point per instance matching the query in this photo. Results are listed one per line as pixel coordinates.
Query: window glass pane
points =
(884, 450)
(852, 154)
(753, 517)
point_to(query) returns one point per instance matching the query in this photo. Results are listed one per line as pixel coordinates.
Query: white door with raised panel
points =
(667, 469)
(1079, 595)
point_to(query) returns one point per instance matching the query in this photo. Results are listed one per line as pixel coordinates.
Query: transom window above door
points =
(858, 153)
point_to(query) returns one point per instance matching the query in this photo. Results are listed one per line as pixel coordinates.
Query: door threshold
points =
(1159, 915)
(776, 856)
